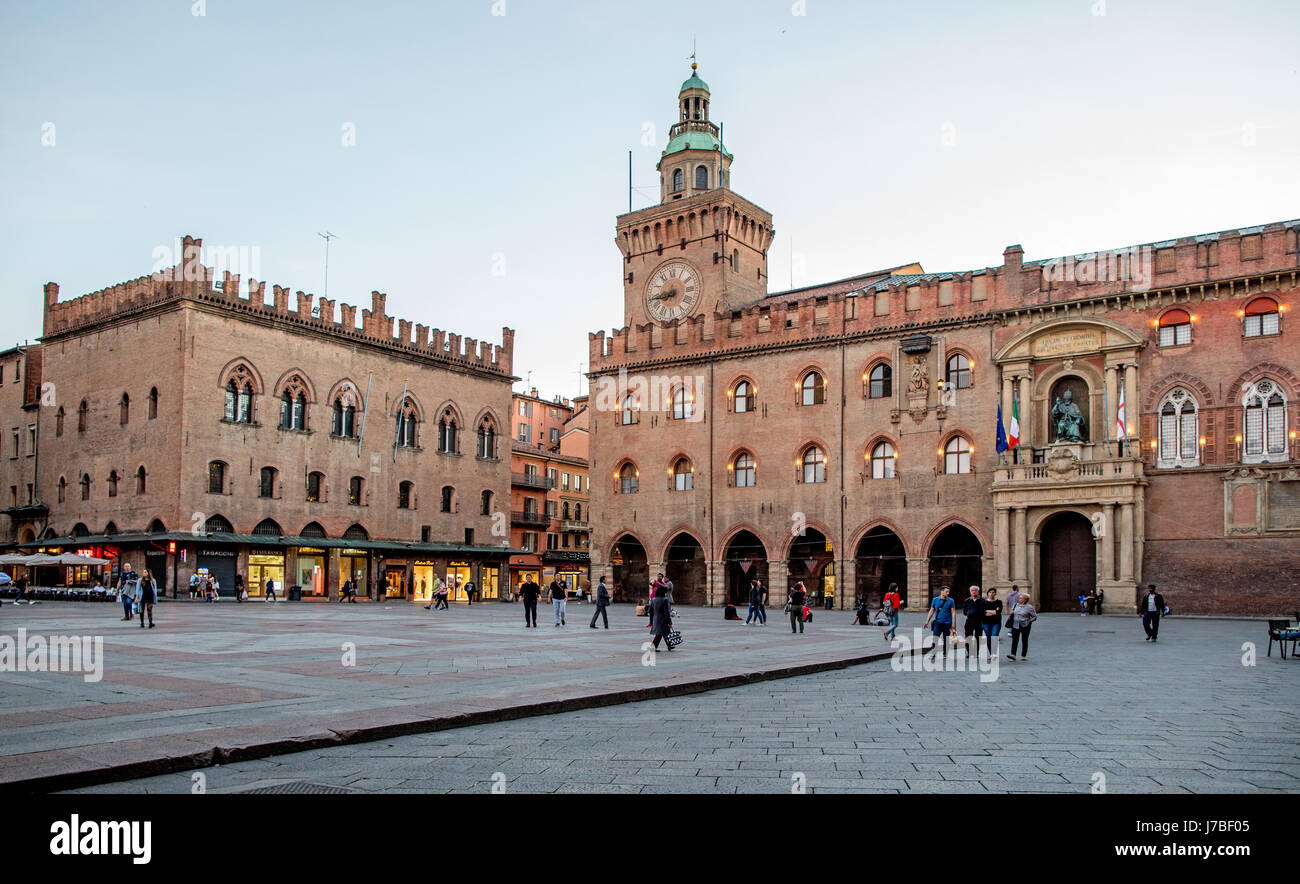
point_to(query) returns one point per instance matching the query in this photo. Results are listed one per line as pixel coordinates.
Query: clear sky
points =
(490, 155)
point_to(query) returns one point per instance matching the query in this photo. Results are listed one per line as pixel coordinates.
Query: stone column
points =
(1112, 400)
(1107, 543)
(1026, 415)
(918, 584)
(1002, 544)
(716, 592)
(1126, 542)
(1131, 410)
(778, 581)
(1139, 534)
(1020, 534)
(846, 582)
(332, 578)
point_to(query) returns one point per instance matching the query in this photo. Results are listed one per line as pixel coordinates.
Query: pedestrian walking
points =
(661, 616)
(654, 590)
(21, 585)
(602, 604)
(559, 595)
(469, 592)
(128, 585)
(942, 608)
(973, 627)
(796, 597)
(991, 617)
(1152, 608)
(1023, 617)
(270, 590)
(893, 604)
(530, 592)
(148, 596)
(757, 600)
(239, 588)
(1012, 598)
(444, 590)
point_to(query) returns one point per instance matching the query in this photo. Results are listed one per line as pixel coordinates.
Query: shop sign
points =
(219, 553)
(353, 552)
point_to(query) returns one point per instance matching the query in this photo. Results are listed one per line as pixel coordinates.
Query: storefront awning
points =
(277, 542)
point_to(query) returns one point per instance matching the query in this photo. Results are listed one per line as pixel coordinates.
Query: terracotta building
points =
(550, 492)
(847, 435)
(197, 426)
(20, 381)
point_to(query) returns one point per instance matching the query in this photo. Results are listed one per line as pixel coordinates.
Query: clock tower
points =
(703, 249)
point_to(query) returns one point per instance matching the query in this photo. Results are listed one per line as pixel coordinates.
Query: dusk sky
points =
(490, 155)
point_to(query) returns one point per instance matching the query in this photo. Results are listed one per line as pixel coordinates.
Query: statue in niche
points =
(919, 385)
(1068, 418)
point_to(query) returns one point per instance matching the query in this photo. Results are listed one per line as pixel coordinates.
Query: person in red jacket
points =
(893, 604)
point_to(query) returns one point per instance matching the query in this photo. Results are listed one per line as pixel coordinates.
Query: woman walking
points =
(148, 596)
(991, 616)
(797, 596)
(893, 602)
(661, 616)
(1024, 616)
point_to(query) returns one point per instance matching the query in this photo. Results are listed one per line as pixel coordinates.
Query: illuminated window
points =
(957, 457)
(883, 457)
(1175, 328)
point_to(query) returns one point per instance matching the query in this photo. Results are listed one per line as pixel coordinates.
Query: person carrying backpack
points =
(893, 604)
(128, 585)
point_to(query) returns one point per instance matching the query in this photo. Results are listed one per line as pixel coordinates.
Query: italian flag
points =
(1013, 433)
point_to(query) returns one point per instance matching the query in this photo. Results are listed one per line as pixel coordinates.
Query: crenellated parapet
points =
(191, 281)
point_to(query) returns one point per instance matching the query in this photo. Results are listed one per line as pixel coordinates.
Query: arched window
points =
(627, 479)
(812, 390)
(80, 530)
(336, 423)
(266, 487)
(1179, 442)
(683, 403)
(404, 495)
(63, 489)
(745, 470)
(1175, 328)
(82, 410)
(314, 483)
(883, 460)
(577, 512)
(487, 440)
(356, 532)
(112, 483)
(157, 527)
(153, 403)
(246, 404)
(682, 475)
(744, 399)
(125, 417)
(110, 529)
(216, 477)
(701, 177)
(286, 411)
(959, 372)
(1262, 317)
(630, 413)
(678, 184)
(85, 487)
(140, 479)
(1265, 422)
(956, 456)
(218, 525)
(880, 381)
(485, 503)
(58, 423)
(313, 529)
(232, 402)
(813, 463)
(448, 498)
(356, 489)
(448, 433)
(268, 528)
(407, 425)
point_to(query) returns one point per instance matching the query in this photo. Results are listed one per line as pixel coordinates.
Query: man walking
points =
(21, 585)
(559, 595)
(973, 611)
(127, 586)
(1152, 607)
(530, 592)
(796, 597)
(469, 592)
(270, 590)
(602, 604)
(941, 612)
(757, 596)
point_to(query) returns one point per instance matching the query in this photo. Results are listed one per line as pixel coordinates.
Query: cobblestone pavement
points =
(1093, 701)
(232, 676)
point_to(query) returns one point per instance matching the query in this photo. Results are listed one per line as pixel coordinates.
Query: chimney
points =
(1013, 260)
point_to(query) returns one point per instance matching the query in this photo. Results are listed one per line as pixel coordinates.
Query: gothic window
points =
(959, 372)
(812, 390)
(140, 479)
(232, 402)
(407, 425)
(630, 413)
(448, 433)
(1175, 328)
(487, 440)
(813, 465)
(744, 398)
(112, 483)
(883, 460)
(683, 475)
(1262, 318)
(956, 460)
(1179, 443)
(336, 425)
(627, 479)
(63, 489)
(745, 470)
(1264, 432)
(880, 382)
(683, 404)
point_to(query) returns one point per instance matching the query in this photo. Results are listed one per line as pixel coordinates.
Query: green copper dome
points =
(693, 141)
(695, 83)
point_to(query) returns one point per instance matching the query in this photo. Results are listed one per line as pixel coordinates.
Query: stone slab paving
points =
(224, 681)
(1182, 716)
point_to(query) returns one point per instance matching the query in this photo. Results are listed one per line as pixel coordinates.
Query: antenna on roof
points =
(327, 236)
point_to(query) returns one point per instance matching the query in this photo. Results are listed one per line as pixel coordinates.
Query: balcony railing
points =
(1107, 469)
(530, 519)
(693, 126)
(575, 525)
(532, 480)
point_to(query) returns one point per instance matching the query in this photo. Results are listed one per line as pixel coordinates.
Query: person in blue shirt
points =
(941, 613)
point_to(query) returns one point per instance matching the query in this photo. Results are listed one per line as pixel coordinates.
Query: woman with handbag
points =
(991, 617)
(661, 619)
(1024, 616)
(148, 596)
(794, 605)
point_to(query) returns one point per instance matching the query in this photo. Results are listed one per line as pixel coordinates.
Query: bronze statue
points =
(1068, 419)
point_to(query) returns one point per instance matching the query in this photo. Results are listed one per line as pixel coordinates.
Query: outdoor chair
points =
(1281, 631)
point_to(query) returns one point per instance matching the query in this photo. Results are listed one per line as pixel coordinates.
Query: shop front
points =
(395, 580)
(458, 574)
(221, 564)
(422, 576)
(264, 565)
(489, 584)
(311, 572)
(354, 564)
(572, 570)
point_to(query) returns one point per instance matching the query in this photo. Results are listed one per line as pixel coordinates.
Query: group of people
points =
(442, 590)
(530, 592)
(138, 593)
(983, 612)
(1091, 602)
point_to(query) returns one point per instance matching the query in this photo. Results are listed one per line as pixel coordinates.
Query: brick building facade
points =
(196, 426)
(846, 434)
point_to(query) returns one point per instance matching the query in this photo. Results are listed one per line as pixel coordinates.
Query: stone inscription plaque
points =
(1082, 341)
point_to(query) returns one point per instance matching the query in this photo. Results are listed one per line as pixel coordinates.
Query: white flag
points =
(1121, 421)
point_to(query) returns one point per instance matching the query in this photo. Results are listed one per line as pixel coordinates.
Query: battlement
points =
(189, 279)
(903, 299)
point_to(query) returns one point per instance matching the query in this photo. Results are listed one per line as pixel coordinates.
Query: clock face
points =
(673, 292)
